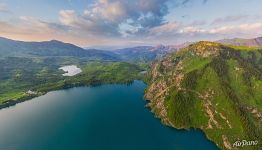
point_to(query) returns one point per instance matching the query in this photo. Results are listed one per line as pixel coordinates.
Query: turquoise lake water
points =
(108, 117)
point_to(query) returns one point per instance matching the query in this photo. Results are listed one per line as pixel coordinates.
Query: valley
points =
(205, 85)
(130, 75)
(34, 66)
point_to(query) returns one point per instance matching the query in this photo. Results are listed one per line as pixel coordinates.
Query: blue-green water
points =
(109, 117)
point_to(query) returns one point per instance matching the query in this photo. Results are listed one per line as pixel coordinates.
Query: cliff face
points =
(212, 87)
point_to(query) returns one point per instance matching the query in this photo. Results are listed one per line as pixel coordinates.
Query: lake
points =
(71, 70)
(108, 117)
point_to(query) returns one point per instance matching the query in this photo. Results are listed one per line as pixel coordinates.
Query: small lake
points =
(108, 117)
(71, 70)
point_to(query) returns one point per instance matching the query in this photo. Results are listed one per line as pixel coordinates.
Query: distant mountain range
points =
(12, 48)
(255, 42)
(144, 53)
(54, 48)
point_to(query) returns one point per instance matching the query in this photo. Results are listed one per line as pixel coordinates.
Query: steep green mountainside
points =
(212, 87)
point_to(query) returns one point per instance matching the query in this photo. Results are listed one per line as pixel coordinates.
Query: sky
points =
(123, 23)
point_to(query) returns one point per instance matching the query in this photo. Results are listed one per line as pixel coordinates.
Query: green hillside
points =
(212, 87)
(20, 74)
(34, 66)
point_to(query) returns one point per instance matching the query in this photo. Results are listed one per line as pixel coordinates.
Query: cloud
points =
(114, 22)
(109, 16)
(89, 25)
(254, 29)
(205, 1)
(176, 29)
(178, 32)
(107, 22)
(198, 23)
(3, 8)
(165, 29)
(32, 29)
(249, 29)
(28, 28)
(229, 19)
(185, 2)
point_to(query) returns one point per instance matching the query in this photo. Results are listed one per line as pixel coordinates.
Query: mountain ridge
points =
(53, 48)
(14, 48)
(210, 86)
(253, 42)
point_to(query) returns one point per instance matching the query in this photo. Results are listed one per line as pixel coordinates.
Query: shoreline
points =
(10, 103)
(172, 126)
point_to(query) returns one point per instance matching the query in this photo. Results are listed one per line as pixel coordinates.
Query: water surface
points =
(109, 117)
(71, 70)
